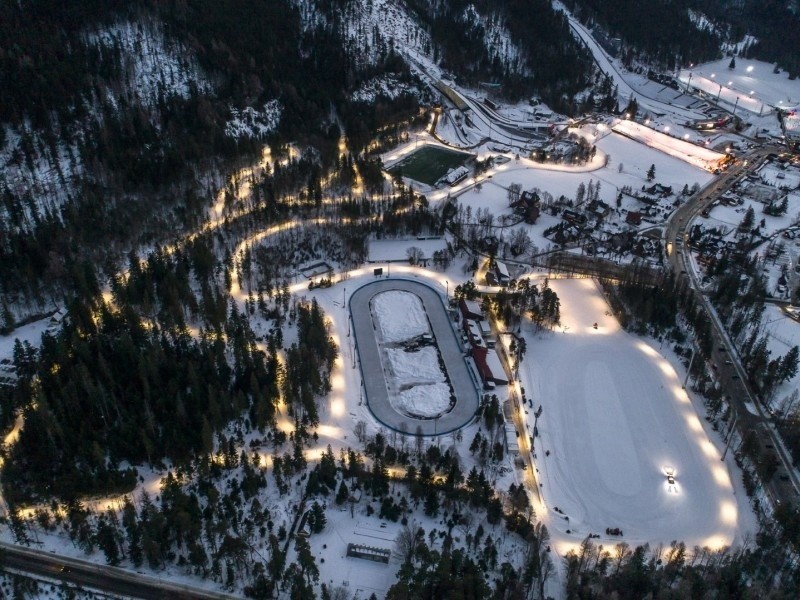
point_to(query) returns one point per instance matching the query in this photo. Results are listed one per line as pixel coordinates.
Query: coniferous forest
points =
(189, 350)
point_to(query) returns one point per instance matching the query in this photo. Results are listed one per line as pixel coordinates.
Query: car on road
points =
(671, 479)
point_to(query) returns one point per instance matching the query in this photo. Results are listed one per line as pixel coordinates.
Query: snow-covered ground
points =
(421, 366)
(400, 316)
(629, 162)
(397, 250)
(653, 98)
(253, 123)
(615, 422)
(753, 83)
(157, 65)
(32, 333)
(699, 156)
(383, 86)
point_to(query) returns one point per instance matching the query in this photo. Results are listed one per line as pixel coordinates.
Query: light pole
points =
(689, 370)
(447, 283)
(730, 437)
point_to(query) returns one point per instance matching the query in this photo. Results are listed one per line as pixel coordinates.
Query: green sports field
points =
(430, 163)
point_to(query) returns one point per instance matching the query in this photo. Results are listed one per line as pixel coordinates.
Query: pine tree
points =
(651, 173)
(320, 520)
(342, 494)
(789, 364)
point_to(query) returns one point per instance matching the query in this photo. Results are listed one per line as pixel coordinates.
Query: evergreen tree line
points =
(126, 380)
(764, 568)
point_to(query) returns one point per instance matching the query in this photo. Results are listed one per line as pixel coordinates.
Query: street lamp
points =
(689, 370)
(730, 437)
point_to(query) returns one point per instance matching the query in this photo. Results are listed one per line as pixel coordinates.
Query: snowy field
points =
(636, 159)
(397, 250)
(615, 422)
(752, 82)
(698, 156)
(784, 332)
(32, 333)
(400, 316)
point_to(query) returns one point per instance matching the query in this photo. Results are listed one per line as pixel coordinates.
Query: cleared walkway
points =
(375, 387)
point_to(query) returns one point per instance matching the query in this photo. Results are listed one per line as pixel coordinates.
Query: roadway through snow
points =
(731, 376)
(88, 575)
(449, 345)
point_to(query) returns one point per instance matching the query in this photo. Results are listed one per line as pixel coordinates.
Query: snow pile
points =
(400, 316)
(696, 155)
(383, 86)
(423, 400)
(415, 367)
(154, 66)
(251, 123)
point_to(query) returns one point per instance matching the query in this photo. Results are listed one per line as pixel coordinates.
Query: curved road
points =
(730, 371)
(449, 345)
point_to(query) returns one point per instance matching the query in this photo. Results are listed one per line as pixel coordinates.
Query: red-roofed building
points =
(489, 366)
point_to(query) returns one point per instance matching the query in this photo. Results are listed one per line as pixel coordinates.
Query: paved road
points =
(106, 579)
(449, 345)
(730, 372)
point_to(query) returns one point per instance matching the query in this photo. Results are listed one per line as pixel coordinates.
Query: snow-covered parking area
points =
(616, 422)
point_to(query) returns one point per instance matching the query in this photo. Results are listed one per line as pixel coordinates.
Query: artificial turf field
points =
(430, 163)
